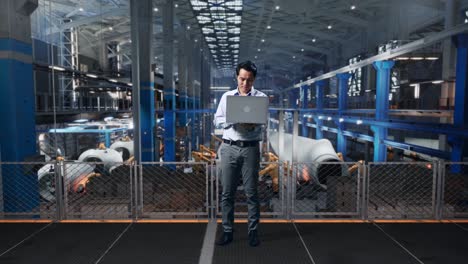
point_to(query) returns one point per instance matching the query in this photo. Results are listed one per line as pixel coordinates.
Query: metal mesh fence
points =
(174, 190)
(326, 190)
(271, 192)
(401, 190)
(27, 190)
(185, 190)
(454, 189)
(97, 190)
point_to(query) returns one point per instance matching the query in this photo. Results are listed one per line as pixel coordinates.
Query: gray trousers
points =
(237, 162)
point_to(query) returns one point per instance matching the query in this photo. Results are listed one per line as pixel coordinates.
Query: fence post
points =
(365, 191)
(441, 168)
(132, 192)
(59, 170)
(290, 190)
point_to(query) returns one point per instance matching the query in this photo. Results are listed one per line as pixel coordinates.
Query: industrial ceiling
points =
(289, 40)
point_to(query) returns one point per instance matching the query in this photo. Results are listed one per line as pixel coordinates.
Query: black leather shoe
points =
(253, 238)
(224, 239)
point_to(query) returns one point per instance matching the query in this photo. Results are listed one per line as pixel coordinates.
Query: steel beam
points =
(460, 119)
(415, 45)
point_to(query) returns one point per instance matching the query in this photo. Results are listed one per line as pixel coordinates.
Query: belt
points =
(241, 144)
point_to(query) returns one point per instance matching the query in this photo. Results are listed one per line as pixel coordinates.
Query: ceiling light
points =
(341, 120)
(111, 28)
(188, 27)
(277, 7)
(359, 122)
(81, 9)
(402, 58)
(313, 40)
(255, 57)
(353, 7)
(438, 81)
(196, 40)
(268, 27)
(91, 75)
(329, 118)
(176, 5)
(294, 57)
(155, 9)
(302, 50)
(417, 58)
(432, 58)
(329, 27)
(113, 80)
(57, 68)
(259, 50)
(263, 40)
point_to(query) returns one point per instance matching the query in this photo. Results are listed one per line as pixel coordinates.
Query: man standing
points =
(240, 157)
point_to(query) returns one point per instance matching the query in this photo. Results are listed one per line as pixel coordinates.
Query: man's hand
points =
(244, 127)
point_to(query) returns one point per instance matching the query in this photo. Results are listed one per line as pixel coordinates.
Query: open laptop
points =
(247, 109)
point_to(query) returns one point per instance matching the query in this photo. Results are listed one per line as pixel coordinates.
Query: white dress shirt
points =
(235, 131)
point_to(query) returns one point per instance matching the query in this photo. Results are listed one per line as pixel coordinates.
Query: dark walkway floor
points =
(280, 243)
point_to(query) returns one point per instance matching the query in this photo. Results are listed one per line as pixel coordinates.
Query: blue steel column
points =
(319, 86)
(460, 118)
(169, 89)
(188, 100)
(143, 80)
(17, 107)
(381, 107)
(342, 106)
(196, 59)
(182, 75)
(305, 100)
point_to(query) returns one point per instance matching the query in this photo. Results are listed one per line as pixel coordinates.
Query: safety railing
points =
(272, 192)
(453, 190)
(173, 190)
(96, 190)
(326, 190)
(189, 190)
(401, 190)
(28, 190)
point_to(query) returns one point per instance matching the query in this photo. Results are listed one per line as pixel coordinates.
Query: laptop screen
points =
(247, 109)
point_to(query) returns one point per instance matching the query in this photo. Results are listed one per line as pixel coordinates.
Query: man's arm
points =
(220, 115)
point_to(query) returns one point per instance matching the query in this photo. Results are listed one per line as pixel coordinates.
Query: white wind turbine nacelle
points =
(71, 172)
(109, 157)
(310, 151)
(124, 147)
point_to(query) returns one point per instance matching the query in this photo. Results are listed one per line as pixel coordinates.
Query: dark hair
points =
(248, 66)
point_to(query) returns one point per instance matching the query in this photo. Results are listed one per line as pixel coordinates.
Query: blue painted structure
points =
(342, 105)
(383, 69)
(106, 133)
(194, 123)
(305, 102)
(182, 117)
(18, 138)
(460, 118)
(147, 121)
(319, 97)
(169, 124)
